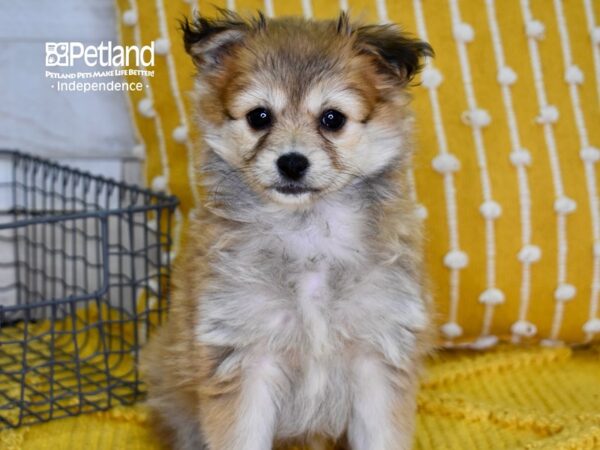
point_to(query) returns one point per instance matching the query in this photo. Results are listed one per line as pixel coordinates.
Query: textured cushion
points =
(508, 130)
(504, 399)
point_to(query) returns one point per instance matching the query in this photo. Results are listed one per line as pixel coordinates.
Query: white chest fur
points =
(333, 231)
(313, 298)
(306, 296)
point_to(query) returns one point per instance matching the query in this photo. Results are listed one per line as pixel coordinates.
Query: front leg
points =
(245, 419)
(384, 406)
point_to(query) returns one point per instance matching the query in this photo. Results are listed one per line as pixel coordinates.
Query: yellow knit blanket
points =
(504, 399)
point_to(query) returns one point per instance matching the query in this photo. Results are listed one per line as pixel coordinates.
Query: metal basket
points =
(84, 280)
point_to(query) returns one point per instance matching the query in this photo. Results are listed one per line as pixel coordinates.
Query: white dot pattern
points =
(446, 163)
(451, 330)
(484, 342)
(492, 296)
(159, 183)
(530, 254)
(596, 35)
(180, 134)
(564, 205)
(161, 46)
(130, 17)
(548, 114)
(490, 209)
(535, 29)
(139, 151)
(524, 328)
(565, 292)
(146, 107)
(590, 154)
(520, 157)
(592, 326)
(431, 77)
(455, 259)
(463, 32)
(477, 118)
(574, 75)
(507, 76)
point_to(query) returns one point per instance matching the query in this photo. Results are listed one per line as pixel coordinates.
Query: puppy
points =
(299, 313)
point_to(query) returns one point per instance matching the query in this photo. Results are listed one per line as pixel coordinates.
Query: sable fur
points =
(297, 318)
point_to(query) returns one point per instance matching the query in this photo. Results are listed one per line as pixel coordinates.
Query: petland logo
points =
(65, 54)
(105, 61)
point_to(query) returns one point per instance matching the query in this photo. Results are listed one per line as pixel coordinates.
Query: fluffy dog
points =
(299, 312)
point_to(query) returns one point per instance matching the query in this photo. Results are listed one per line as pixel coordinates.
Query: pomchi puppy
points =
(299, 313)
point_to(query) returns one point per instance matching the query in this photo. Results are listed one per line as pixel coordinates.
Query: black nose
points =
(292, 165)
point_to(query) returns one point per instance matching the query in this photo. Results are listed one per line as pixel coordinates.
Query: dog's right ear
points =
(208, 41)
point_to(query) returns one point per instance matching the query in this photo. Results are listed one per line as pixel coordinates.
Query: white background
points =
(38, 119)
(91, 131)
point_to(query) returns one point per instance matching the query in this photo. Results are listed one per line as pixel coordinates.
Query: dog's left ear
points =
(397, 53)
(210, 41)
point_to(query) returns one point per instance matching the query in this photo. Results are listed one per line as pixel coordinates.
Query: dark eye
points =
(333, 120)
(259, 118)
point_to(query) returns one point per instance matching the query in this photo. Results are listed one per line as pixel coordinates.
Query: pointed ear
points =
(208, 41)
(397, 53)
(343, 25)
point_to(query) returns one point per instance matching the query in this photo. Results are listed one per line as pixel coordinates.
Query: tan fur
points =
(210, 357)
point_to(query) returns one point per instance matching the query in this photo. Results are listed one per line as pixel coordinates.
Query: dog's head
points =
(302, 108)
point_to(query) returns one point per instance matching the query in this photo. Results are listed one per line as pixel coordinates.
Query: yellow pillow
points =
(508, 128)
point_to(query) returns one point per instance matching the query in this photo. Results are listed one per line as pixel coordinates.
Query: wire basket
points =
(84, 280)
